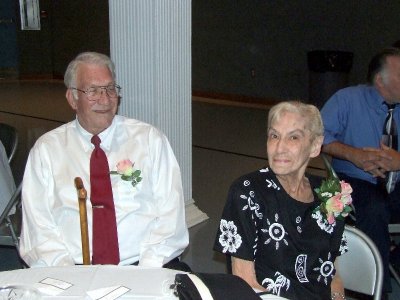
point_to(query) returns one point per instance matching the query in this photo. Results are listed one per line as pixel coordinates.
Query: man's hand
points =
(372, 160)
(390, 159)
(376, 161)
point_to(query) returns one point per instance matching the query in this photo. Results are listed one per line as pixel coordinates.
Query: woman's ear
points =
(316, 146)
(70, 98)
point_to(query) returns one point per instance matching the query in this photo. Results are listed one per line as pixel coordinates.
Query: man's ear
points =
(70, 98)
(378, 80)
(316, 146)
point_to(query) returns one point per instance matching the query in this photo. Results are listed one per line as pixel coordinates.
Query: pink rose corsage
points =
(127, 173)
(335, 196)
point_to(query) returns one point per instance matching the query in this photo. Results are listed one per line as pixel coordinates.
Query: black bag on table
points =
(209, 286)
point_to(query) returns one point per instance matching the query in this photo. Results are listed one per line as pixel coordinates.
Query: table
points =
(81, 282)
(143, 283)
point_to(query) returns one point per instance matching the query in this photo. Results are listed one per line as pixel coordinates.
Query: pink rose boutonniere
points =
(125, 169)
(335, 196)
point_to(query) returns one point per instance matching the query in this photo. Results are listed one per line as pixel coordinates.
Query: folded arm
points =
(341, 136)
(372, 160)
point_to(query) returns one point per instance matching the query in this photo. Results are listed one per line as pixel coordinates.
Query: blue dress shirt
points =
(355, 116)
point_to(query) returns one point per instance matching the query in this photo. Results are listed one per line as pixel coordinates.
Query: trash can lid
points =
(329, 61)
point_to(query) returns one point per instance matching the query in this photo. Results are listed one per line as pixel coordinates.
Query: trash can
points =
(328, 72)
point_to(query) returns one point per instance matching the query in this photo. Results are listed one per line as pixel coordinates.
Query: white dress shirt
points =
(150, 216)
(7, 184)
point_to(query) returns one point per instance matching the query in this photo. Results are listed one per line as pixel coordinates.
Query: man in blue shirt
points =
(354, 119)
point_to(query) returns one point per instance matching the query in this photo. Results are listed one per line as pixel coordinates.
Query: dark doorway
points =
(67, 27)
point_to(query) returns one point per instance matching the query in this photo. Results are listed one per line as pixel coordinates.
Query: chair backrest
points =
(9, 139)
(361, 268)
(394, 228)
(10, 225)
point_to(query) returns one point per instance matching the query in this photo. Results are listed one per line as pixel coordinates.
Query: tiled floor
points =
(228, 141)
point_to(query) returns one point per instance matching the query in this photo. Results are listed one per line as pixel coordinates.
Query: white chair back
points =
(361, 268)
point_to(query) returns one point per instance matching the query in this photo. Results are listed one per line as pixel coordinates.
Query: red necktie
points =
(105, 237)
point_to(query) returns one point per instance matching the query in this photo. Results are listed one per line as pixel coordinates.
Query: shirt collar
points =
(376, 100)
(381, 103)
(105, 136)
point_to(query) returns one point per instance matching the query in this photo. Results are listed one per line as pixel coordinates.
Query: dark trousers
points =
(374, 210)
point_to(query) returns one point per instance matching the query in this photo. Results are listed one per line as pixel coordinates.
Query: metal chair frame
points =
(11, 238)
(9, 139)
(394, 229)
(361, 268)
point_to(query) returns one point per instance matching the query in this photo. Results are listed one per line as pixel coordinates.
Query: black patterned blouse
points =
(293, 248)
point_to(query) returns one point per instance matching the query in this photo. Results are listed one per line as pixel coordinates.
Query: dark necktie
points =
(105, 237)
(390, 139)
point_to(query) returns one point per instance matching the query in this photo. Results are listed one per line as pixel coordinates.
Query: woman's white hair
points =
(308, 111)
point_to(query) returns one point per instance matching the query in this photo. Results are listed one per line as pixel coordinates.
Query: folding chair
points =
(361, 268)
(9, 139)
(394, 229)
(10, 225)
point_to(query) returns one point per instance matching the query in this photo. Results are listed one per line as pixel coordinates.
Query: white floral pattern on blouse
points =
(229, 238)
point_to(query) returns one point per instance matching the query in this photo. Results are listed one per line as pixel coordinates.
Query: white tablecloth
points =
(144, 283)
(81, 281)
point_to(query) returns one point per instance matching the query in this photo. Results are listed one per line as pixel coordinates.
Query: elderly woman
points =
(271, 226)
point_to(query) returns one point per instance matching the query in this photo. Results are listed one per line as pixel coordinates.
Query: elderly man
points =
(135, 199)
(361, 133)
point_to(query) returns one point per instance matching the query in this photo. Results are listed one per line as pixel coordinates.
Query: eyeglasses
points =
(95, 92)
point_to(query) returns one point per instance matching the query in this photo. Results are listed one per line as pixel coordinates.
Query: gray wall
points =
(271, 38)
(33, 107)
(244, 47)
